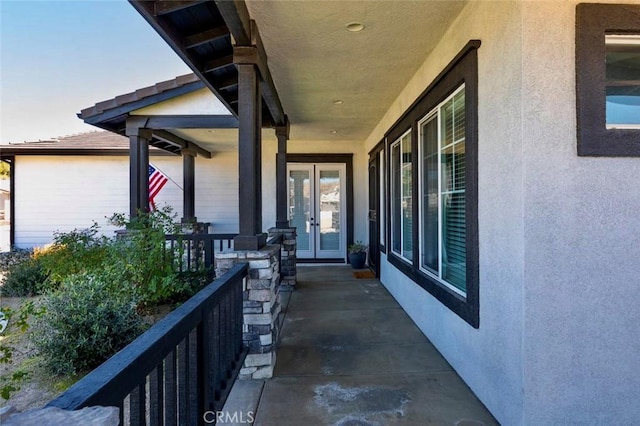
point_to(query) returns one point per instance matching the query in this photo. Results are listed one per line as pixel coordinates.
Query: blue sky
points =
(58, 57)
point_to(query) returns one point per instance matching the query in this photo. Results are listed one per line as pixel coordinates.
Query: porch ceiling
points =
(315, 61)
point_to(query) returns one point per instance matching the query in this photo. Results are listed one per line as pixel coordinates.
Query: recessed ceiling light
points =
(355, 27)
(333, 132)
(338, 102)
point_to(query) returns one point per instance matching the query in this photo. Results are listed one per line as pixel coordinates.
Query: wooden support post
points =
(138, 168)
(282, 214)
(249, 155)
(188, 182)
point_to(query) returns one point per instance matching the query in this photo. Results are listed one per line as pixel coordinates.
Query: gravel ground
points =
(33, 392)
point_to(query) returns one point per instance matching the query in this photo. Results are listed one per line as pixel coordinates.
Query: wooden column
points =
(188, 183)
(138, 169)
(282, 215)
(249, 155)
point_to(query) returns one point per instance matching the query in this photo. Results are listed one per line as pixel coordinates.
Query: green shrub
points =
(24, 279)
(141, 255)
(74, 252)
(85, 321)
(137, 258)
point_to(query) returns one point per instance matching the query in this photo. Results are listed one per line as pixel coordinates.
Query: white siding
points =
(62, 193)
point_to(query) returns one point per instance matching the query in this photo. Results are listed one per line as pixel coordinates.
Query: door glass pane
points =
(330, 208)
(623, 80)
(299, 206)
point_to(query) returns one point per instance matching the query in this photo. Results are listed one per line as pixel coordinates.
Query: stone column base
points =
(261, 289)
(288, 272)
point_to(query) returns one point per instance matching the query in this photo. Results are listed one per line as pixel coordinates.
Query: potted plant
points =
(357, 254)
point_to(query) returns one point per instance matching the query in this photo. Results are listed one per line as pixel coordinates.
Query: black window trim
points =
(463, 69)
(593, 22)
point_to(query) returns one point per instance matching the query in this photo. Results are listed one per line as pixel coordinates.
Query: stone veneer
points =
(260, 306)
(288, 272)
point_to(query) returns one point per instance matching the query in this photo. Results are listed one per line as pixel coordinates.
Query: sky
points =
(59, 57)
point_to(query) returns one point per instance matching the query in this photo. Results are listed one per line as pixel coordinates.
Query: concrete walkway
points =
(349, 355)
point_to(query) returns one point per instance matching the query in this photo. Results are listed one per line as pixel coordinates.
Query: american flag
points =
(156, 181)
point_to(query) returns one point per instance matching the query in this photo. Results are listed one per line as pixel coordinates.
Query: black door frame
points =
(374, 172)
(347, 160)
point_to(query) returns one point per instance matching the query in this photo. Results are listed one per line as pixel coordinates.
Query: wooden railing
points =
(180, 369)
(197, 250)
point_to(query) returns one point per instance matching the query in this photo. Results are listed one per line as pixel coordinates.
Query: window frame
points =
(400, 143)
(593, 22)
(435, 113)
(463, 69)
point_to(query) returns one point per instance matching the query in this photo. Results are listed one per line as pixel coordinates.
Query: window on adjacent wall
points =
(402, 198)
(622, 57)
(383, 204)
(442, 189)
(438, 187)
(608, 79)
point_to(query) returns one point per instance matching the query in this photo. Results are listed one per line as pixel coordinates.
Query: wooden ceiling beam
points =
(217, 64)
(174, 39)
(236, 16)
(170, 138)
(165, 7)
(181, 143)
(207, 36)
(245, 33)
(162, 122)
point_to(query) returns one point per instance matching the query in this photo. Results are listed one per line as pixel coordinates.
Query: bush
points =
(24, 279)
(142, 256)
(137, 258)
(74, 252)
(13, 257)
(85, 321)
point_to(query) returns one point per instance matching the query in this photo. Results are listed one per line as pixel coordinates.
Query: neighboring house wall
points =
(558, 340)
(61, 193)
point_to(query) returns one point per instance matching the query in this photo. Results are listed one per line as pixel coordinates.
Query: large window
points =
(433, 190)
(402, 197)
(442, 189)
(608, 79)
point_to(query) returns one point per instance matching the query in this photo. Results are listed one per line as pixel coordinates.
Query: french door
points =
(317, 208)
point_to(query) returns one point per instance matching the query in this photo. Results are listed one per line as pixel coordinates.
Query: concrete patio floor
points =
(349, 355)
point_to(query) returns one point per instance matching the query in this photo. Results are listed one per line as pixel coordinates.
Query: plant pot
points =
(357, 260)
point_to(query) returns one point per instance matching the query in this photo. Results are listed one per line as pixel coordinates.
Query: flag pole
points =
(174, 182)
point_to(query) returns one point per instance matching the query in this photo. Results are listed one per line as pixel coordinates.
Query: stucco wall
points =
(489, 359)
(558, 341)
(582, 246)
(199, 102)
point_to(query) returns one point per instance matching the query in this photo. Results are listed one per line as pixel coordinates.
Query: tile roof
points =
(140, 95)
(100, 142)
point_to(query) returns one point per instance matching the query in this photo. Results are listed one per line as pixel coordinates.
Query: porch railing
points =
(180, 369)
(198, 249)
